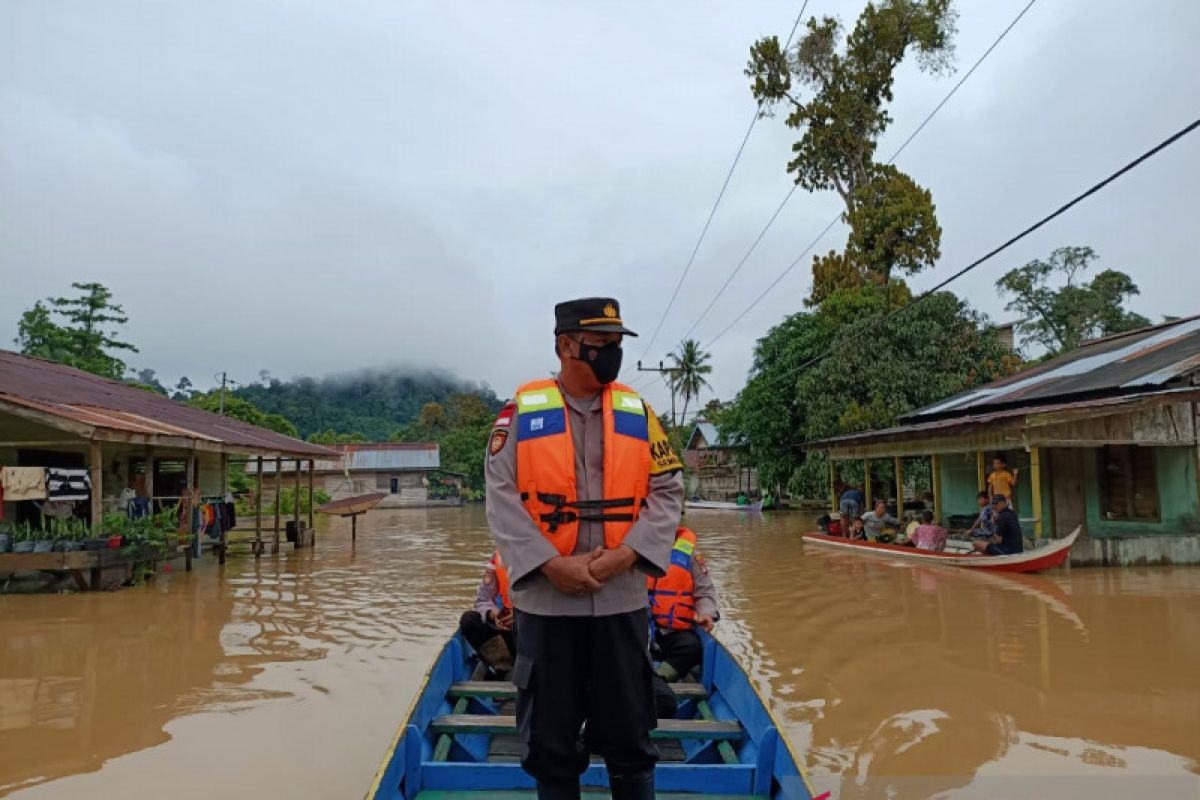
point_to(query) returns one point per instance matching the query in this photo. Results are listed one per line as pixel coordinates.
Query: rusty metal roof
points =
(372, 457)
(1158, 356)
(78, 397)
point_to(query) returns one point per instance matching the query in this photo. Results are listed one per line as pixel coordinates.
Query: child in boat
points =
(857, 531)
(681, 601)
(983, 526)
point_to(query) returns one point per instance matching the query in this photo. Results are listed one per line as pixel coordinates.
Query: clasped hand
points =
(586, 572)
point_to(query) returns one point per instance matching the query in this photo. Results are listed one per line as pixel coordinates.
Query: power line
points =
(713, 212)
(834, 221)
(860, 331)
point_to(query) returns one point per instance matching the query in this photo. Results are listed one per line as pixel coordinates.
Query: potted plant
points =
(23, 538)
(43, 541)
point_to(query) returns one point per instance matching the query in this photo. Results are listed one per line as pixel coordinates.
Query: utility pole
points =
(661, 370)
(224, 378)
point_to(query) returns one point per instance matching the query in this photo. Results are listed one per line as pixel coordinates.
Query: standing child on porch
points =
(1001, 480)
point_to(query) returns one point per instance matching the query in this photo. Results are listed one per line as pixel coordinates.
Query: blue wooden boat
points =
(459, 740)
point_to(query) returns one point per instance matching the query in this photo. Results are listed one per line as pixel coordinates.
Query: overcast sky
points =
(311, 187)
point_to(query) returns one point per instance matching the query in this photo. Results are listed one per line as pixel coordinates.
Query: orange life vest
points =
(496, 564)
(546, 464)
(672, 604)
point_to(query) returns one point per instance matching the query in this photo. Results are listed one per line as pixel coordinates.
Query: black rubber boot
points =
(558, 791)
(634, 786)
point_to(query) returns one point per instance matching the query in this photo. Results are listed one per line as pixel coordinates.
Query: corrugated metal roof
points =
(1112, 366)
(961, 423)
(377, 457)
(80, 397)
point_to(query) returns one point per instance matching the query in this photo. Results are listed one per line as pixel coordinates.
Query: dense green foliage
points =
(373, 404)
(936, 349)
(237, 408)
(1062, 318)
(82, 336)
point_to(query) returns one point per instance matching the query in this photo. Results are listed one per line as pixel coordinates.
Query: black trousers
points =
(682, 649)
(477, 631)
(575, 669)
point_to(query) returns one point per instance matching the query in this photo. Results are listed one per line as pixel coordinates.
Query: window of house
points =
(1128, 483)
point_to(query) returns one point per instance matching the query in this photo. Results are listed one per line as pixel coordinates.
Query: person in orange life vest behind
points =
(681, 601)
(583, 497)
(488, 626)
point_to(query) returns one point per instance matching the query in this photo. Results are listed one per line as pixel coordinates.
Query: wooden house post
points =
(981, 471)
(96, 468)
(149, 456)
(278, 502)
(312, 500)
(935, 470)
(296, 507)
(899, 462)
(258, 468)
(1035, 479)
(833, 481)
(866, 486)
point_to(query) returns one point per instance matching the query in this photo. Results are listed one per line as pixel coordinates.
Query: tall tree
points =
(849, 82)
(183, 389)
(86, 337)
(689, 366)
(1060, 310)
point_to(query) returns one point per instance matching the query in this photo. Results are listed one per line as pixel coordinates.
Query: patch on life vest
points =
(504, 418)
(662, 457)
(496, 443)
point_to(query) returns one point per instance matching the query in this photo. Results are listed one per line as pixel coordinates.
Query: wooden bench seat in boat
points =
(507, 691)
(495, 724)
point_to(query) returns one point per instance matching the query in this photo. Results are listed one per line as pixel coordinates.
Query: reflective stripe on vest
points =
(546, 464)
(496, 564)
(672, 604)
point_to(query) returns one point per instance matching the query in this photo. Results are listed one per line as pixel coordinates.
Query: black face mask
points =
(605, 362)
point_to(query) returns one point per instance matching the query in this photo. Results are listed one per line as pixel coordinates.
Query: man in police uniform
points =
(578, 557)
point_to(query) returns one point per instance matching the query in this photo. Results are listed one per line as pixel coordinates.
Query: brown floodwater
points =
(286, 677)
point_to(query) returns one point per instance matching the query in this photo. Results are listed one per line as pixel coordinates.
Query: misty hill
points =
(374, 403)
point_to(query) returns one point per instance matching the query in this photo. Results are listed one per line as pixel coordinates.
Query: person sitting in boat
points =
(1007, 538)
(982, 527)
(875, 521)
(928, 536)
(681, 601)
(830, 524)
(488, 627)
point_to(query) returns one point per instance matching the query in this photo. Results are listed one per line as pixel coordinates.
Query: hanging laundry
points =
(68, 484)
(139, 507)
(23, 483)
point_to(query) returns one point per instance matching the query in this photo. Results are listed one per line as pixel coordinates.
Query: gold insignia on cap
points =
(610, 310)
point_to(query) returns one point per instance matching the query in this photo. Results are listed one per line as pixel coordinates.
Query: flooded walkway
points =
(286, 678)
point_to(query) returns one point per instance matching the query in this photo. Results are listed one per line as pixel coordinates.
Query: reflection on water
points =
(286, 677)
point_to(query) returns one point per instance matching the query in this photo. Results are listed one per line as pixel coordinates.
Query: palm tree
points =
(687, 373)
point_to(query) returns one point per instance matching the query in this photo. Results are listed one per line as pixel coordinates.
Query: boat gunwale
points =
(966, 560)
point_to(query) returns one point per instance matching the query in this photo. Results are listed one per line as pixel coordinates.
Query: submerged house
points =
(715, 473)
(408, 472)
(1106, 437)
